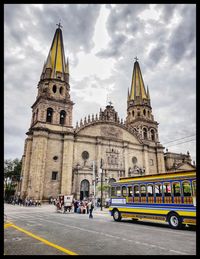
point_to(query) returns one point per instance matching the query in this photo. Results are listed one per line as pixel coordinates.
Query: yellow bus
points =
(168, 197)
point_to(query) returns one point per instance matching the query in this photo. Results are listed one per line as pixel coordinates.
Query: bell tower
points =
(53, 106)
(139, 111)
(48, 149)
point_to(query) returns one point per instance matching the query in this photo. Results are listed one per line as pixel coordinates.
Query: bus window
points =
(167, 189)
(158, 189)
(118, 191)
(124, 191)
(176, 189)
(194, 187)
(143, 190)
(130, 191)
(150, 190)
(113, 193)
(186, 188)
(136, 191)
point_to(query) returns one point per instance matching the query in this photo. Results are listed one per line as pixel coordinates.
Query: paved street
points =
(43, 231)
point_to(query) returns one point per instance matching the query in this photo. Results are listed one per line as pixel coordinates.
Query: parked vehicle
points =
(64, 203)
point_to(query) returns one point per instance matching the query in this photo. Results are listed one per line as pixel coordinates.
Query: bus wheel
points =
(174, 221)
(116, 215)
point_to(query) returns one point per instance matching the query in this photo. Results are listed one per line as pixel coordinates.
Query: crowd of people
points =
(24, 202)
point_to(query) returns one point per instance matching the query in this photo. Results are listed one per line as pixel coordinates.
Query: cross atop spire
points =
(136, 58)
(59, 25)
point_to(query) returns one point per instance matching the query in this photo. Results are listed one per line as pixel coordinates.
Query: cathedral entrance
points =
(84, 190)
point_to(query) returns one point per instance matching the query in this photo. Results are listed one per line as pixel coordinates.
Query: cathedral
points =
(61, 159)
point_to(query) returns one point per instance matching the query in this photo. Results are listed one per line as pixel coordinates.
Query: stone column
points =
(26, 166)
(125, 153)
(146, 159)
(160, 160)
(67, 164)
(37, 165)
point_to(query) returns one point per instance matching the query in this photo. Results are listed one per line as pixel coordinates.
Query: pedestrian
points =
(90, 207)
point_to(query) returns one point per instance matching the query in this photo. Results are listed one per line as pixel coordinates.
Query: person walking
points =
(90, 207)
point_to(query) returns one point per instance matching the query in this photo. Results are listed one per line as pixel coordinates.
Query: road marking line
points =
(66, 251)
(116, 237)
(7, 225)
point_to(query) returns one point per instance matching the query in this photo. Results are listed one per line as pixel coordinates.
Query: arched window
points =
(143, 190)
(148, 113)
(144, 112)
(176, 189)
(186, 188)
(152, 135)
(118, 191)
(145, 133)
(124, 191)
(62, 117)
(49, 115)
(130, 191)
(150, 190)
(61, 90)
(54, 89)
(133, 113)
(158, 189)
(136, 191)
(167, 189)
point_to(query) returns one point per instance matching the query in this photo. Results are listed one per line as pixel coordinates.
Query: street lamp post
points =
(101, 171)
(94, 181)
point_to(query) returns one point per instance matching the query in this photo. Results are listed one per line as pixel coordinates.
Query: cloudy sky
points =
(101, 42)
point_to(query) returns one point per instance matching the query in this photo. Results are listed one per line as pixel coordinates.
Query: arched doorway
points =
(84, 190)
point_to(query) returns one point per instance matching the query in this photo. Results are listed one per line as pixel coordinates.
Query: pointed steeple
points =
(138, 90)
(55, 66)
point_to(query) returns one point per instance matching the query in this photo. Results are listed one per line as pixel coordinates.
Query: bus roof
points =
(162, 176)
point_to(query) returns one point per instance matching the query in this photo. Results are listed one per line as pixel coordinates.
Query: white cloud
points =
(101, 42)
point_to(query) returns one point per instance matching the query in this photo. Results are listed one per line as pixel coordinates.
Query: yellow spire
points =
(56, 57)
(137, 85)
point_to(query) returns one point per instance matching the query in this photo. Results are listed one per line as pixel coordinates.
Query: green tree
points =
(12, 171)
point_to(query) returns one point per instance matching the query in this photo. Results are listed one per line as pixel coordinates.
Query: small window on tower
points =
(62, 117)
(54, 88)
(49, 115)
(61, 90)
(144, 112)
(152, 135)
(54, 176)
(133, 113)
(145, 133)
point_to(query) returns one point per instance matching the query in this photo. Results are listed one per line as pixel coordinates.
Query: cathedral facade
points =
(61, 159)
